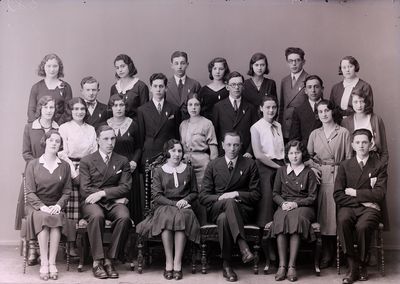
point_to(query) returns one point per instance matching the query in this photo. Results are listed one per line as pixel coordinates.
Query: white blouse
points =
(271, 138)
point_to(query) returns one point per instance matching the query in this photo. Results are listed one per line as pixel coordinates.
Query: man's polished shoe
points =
(110, 270)
(363, 273)
(229, 274)
(168, 274)
(178, 275)
(99, 272)
(247, 255)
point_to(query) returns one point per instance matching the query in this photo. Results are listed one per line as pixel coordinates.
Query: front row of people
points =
(230, 190)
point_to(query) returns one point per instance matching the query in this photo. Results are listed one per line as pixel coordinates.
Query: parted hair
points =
(233, 74)
(272, 99)
(158, 76)
(178, 53)
(102, 128)
(369, 108)
(47, 135)
(352, 61)
(114, 98)
(314, 77)
(299, 145)
(257, 56)
(48, 57)
(218, 60)
(170, 145)
(128, 61)
(70, 107)
(90, 80)
(336, 115)
(361, 131)
(42, 102)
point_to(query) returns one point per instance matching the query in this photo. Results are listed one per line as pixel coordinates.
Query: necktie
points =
(235, 107)
(361, 163)
(230, 166)
(293, 81)
(159, 108)
(106, 159)
(180, 87)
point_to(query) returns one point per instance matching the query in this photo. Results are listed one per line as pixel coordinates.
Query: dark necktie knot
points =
(235, 106)
(180, 87)
(106, 159)
(159, 108)
(361, 163)
(230, 166)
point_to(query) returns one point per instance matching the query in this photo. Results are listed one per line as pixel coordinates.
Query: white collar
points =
(170, 170)
(156, 102)
(352, 83)
(103, 155)
(296, 171)
(183, 78)
(122, 128)
(312, 104)
(47, 166)
(94, 103)
(296, 75)
(127, 87)
(234, 161)
(36, 124)
(365, 160)
(238, 101)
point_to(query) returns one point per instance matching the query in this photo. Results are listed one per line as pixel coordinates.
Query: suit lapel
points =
(298, 87)
(111, 168)
(243, 108)
(99, 164)
(223, 169)
(173, 92)
(165, 114)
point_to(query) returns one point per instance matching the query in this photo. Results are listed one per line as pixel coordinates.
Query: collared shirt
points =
(234, 161)
(158, 102)
(348, 87)
(296, 171)
(365, 160)
(312, 104)
(36, 124)
(50, 167)
(91, 106)
(103, 155)
(238, 101)
(270, 138)
(296, 75)
(177, 80)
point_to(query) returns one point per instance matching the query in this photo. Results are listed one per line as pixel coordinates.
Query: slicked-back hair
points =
(158, 76)
(90, 80)
(178, 53)
(361, 131)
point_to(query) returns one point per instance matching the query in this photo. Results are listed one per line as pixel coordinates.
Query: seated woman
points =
(216, 90)
(48, 185)
(258, 86)
(135, 91)
(295, 192)
(198, 139)
(340, 93)
(364, 117)
(174, 189)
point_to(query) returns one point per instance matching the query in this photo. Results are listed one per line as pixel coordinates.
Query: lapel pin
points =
(300, 88)
(114, 167)
(244, 111)
(188, 90)
(369, 175)
(60, 178)
(301, 186)
(126, 97)
(241, 172)
(129, 134)
(99, 114)
(184, 182)
(166, 113)
(219, 97)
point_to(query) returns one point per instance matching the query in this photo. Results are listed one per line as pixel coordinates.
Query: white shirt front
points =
(238, 101)
(156, 103)
(234, 161)
(177, 80)
(270, 138)
(296, 171)
(348, 87)
(297, 75)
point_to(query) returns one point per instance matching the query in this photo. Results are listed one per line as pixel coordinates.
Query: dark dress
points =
(301, 189)
(135, 97)
(45, 188)
(253, 95)
(165, 194)
(126, 144)
(209, 98)
(62, 94)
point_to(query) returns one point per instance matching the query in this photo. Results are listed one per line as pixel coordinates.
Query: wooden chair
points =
(376, 245)
(145, 249)
(316, 247)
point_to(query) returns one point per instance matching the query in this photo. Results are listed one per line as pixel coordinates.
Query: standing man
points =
(105, 181)
(292, 89)
(90, 88)
(235, 114)
(231, 188)
(360, 189)
(305, 119)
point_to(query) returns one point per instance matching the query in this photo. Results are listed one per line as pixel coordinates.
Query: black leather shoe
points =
(99, 272)
(110, 270)
(168, 274)
(32, 255)
(178, 275)
(350, 278)
(229, 274)
(247, 256)
(363, 273)
(280, 274)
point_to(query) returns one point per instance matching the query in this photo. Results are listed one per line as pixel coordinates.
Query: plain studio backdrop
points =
(88, 35)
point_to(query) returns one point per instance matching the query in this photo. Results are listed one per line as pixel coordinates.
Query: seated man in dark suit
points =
(235, 114)
(230, 191)
(105, 181)
(360, 189)
(304, 119)
(90, 88)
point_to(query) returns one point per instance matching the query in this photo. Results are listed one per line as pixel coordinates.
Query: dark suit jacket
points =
(155, 129)
(115, 178)
(350, 175)
(304, 121)
(225, 119)
(99, 115)
(217, 180)
(172, 96)
(289, 99)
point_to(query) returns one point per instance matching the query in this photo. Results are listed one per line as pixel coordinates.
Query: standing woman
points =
(126, 144)
(173, 189)
(258, 86)
(328, 146)
(134, 91)
(48, 185)
(215, 91)
(52, 69)
(340, 94)
(198, 139)
(32, 149)
(364, 117)
(79, 141)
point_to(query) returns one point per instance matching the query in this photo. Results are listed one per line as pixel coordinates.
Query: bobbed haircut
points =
(299, 145)
(42, 102)
(361, 131)
(158, 76)
(369, 108)
(90, 80)
(128, 61)
(294, 50)
(102, 128)
(314, 77)
(48, 57)
(233, 74)
(178, 53)
(218, 60)
(258, 56)
(70, 107)
(114, 98)
(352, 61)
(336, 115)
(194, 96)
(269, 98)
(47, 135)
(170, 145)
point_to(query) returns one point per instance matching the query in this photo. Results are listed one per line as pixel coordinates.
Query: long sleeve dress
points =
(327, 153)
(47, 187)
(169, 186)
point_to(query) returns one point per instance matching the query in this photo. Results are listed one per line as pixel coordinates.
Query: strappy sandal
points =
(281, 273)
(44, 272)
(53, 272)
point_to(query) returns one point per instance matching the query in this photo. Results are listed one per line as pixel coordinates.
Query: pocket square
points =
(120, 171)
(171, 116)
(373, 181)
